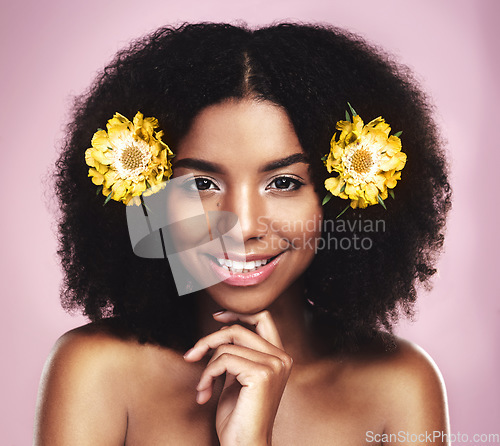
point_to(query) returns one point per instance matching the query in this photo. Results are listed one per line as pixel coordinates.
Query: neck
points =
(289, 314)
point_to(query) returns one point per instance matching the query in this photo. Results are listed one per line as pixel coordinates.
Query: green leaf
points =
(398, 134)
(327, 198)
(345, 209)
(347, 117)
(108, 198)
(99, 189)
(99, 129)
(342, 189)
(353, 112)
(381, 201)
(391, 193)
(323, 158)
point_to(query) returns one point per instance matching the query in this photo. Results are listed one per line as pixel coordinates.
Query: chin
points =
(250, 299)
(245, 300)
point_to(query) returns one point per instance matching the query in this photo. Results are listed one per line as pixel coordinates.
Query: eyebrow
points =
(198, 164)
(208, 166)
(284, 162)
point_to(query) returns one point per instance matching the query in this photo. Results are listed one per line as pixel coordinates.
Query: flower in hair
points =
(366, 160)
(129, 158)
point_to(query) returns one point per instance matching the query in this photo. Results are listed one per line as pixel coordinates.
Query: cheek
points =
(188, 234)
(187, 222)
(299, 226)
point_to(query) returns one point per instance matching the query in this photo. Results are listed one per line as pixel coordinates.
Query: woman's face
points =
(246, 160)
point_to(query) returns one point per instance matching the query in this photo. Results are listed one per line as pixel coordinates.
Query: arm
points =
(79, 401)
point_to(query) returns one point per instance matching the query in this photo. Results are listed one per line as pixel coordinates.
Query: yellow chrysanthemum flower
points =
(129, 158)
(368, 161)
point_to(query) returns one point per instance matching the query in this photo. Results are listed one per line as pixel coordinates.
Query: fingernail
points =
(198, 397)
(218, 312)
(188, 353)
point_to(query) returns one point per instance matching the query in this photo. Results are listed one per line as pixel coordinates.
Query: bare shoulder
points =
(409, 388)
(410, 368)
(88, 378)
(93, 349)
(397, 366)
(80, 386)
(91, 339)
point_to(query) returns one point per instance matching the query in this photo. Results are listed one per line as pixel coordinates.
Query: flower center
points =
(361, 160)
(131, 158)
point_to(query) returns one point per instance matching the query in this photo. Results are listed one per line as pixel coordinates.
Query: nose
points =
(250, 208)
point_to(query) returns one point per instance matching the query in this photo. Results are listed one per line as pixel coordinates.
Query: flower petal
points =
(351, 191)
(378, 124)
(101, 168)
(357, 125)
(334, 185)
(137, 188)
(371, 192)
(110, 178)
(380, 181)
(389, 163)
(98, 155)
(392, 180)
(119, 190)
(89, 159)
(100, 140)
(97, 178)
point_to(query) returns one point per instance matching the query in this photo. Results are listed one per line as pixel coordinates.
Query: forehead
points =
(243, 131)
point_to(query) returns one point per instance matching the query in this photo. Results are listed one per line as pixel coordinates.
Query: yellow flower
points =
(128, 158)
(366, 159)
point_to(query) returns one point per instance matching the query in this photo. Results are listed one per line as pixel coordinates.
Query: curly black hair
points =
(312, 71)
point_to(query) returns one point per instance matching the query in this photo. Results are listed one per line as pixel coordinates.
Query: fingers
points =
(235, 334)
(247, 366)
(262, 321)
(246, 356)
(236, 366)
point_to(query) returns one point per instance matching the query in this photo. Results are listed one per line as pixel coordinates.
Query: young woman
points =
(292, 345)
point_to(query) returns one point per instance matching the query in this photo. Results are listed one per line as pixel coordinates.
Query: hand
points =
(257, 369)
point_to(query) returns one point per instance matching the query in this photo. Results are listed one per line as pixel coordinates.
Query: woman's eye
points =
(204, 184)
(200, 184)
(287, 183)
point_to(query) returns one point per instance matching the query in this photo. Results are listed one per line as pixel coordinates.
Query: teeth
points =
(237, 265)
(241, 267)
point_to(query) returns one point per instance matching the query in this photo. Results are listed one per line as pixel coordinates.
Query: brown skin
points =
(101, 387)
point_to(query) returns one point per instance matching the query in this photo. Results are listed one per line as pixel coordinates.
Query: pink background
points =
(52, 49)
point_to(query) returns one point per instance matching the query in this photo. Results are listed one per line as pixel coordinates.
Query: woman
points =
(250, 116)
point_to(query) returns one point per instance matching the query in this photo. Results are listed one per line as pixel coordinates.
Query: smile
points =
(242, 267)
(241, 273)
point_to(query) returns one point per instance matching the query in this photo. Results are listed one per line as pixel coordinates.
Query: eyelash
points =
(296, 184)
(202, 181)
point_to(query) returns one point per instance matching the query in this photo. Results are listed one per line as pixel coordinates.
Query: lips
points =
(244, 273)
